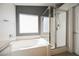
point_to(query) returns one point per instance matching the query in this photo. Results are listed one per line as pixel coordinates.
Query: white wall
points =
(7, 12)
(76, 30)
(70, 30)
(73, 30)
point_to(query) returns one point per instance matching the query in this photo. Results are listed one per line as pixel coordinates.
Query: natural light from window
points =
(46, 24)
(28, 23)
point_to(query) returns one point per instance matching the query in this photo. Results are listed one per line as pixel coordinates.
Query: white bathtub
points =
(34, 47)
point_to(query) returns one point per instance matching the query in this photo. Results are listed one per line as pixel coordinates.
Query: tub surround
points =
(35, 47)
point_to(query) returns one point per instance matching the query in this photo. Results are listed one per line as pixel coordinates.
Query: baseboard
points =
(75, 54)
(58, 50)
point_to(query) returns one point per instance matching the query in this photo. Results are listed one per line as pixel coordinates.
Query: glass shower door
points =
(60, 28)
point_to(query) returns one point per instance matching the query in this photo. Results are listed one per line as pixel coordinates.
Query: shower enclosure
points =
(53, 27)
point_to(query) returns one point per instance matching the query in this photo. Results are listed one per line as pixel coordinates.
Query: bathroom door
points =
(60, 28)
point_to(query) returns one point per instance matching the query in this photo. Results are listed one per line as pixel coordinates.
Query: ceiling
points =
(39, 4)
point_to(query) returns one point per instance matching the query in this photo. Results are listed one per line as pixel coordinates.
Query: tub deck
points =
(34, 47)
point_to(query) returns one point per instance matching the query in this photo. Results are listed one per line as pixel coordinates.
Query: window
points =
(28, 24)
(45, 24)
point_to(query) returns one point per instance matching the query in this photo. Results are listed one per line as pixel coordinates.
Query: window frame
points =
(17, 26)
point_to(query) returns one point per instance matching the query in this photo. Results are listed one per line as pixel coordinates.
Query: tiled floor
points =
(65, 54)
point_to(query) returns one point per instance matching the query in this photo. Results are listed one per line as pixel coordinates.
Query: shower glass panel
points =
(45, 21)
(48, 26)
(60, 28)
(45, 24)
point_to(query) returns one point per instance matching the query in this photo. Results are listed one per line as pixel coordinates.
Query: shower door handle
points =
(57, 27)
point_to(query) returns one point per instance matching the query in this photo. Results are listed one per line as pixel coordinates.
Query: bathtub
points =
(33, 47)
